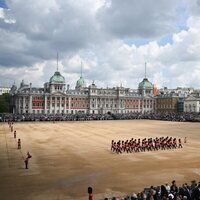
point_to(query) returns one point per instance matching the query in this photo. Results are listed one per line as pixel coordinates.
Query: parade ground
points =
(67, 157)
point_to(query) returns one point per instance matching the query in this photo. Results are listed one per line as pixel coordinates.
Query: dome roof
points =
(81, 83)
(145, 84)
(57, 78)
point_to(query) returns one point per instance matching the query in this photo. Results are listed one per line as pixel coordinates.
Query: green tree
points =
(4, 103)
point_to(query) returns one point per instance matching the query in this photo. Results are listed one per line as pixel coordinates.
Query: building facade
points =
(56, 98)
(167, 103)
(192, 104)
(4, 90)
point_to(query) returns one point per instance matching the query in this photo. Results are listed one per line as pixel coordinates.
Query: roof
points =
(57, 78)
(81, 82)
(145, 84)
(192, 98)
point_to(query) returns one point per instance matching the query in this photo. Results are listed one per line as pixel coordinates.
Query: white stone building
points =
(192, 104)
(56, 98)
(4, 90)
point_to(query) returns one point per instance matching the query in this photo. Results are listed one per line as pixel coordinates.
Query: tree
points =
(4, 103)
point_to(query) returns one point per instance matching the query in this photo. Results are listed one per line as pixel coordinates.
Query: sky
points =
(112, 38)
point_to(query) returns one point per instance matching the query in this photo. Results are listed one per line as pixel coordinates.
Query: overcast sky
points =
(112, 38)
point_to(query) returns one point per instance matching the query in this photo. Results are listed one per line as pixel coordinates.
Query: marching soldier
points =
(179, 143)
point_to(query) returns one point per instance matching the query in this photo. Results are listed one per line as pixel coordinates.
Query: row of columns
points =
(61, 109)
(103, 102)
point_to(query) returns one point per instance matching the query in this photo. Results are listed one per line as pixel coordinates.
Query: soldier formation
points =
(145, 144)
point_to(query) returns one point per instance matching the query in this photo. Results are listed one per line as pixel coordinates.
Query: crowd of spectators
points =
(166, 192)
(182, 117)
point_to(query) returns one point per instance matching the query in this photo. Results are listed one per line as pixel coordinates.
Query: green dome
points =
(81, 82)
(145, 84)
(57, 78)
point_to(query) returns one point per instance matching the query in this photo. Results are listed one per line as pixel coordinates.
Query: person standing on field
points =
(19, 144)
(15, 134)
(26, 163)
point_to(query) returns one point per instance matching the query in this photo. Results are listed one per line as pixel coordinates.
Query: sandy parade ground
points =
(67, 157)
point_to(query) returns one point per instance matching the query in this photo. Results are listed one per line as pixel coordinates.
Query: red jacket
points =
(90, 197)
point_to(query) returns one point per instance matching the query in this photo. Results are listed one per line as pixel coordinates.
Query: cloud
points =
(140, 19)
(96, 33)
(6, 16)
(2, 13)
(65, 26)
(193, 7)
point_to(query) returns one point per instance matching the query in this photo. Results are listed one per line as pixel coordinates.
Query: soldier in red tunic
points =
(19, 144)
(90, 193)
